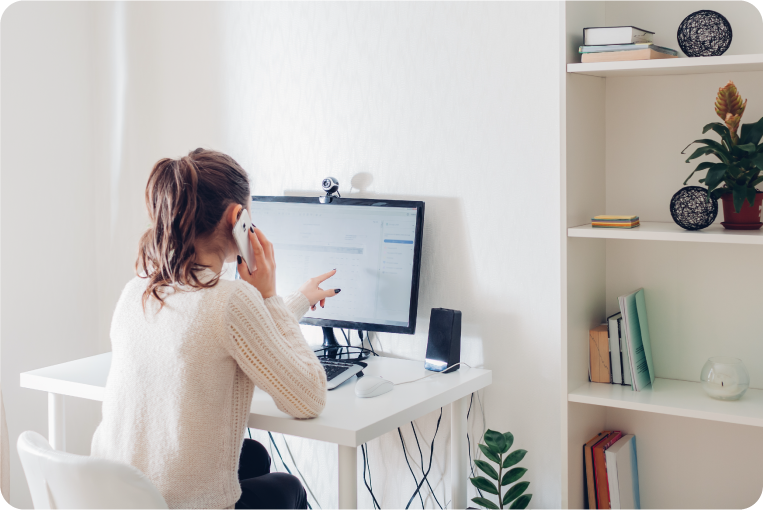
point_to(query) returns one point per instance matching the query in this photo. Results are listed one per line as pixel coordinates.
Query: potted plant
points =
(496, 445)
(737, 174)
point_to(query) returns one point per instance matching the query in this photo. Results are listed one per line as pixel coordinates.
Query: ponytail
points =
(186, 199)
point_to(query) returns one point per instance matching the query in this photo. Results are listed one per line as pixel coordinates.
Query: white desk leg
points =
(458, 452)
(56, 422)
(348, 477)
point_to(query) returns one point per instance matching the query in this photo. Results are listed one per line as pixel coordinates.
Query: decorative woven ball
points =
(704, 34)
(691, 209)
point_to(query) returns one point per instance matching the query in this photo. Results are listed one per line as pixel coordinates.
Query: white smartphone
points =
(241, 236)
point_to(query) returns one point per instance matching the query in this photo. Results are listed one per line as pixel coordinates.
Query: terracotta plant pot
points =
(747, 219)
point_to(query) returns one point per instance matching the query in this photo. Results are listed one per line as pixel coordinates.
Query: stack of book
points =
(611, 471)
(616, 44)
(620, 351)
(615, 221)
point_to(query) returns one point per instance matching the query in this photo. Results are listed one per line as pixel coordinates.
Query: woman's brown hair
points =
(186, 199)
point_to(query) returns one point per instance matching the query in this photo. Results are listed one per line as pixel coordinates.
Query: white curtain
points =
(5, 468)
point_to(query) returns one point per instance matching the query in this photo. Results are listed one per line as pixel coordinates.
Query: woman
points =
(188, 347)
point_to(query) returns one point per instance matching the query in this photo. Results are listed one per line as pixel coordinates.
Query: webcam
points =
(331, 186)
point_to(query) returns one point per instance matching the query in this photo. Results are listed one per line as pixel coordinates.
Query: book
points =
(598, 354)
(590, 493)
(626, 47)
(616, 35)
(615, 221)
(615, 356)
(607, 217)
(622, 56)
(600, 469)
(636, 332)
(627, 377)
(622, 473)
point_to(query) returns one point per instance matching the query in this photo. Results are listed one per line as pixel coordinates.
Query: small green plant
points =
(496, 445)
(740, 156)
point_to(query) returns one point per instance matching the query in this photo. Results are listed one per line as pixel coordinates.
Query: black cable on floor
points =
(431, 456)
(421, 456)
(405, 454)
(368, 486)
(469, 443)
(273, 441)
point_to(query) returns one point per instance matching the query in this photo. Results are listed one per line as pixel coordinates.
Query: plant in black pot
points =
(496, 446)
(736, 175)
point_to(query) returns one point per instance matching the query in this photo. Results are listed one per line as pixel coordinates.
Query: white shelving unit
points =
(624, 126)
(706, 65)
(676, 398)
(661, 231)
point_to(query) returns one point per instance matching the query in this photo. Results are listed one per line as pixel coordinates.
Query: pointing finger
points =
(326, 276)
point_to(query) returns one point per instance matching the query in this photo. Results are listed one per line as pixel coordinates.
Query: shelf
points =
(657, 231)
(699, 65)
(676, 398)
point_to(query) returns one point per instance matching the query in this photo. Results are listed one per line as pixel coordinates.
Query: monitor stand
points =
(330, 343)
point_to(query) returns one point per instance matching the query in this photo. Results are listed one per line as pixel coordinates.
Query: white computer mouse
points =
(372, 386)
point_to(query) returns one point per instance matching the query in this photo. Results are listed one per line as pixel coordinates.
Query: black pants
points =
(262, 489)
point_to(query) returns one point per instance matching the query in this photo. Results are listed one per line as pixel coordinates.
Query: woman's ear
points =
(232, 214)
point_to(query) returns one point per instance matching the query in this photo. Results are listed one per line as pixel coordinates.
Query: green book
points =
(637, 338)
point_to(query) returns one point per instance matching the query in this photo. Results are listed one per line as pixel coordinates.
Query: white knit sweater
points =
(180, 387)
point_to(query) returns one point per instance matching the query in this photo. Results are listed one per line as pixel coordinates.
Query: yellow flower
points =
(729, 107)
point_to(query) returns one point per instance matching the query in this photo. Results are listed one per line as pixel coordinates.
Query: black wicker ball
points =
(691, 209)
(704, 34)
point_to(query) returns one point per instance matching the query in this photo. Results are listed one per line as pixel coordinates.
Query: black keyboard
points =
(335, 367)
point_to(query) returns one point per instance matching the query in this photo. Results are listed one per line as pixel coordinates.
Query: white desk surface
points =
(346, 420)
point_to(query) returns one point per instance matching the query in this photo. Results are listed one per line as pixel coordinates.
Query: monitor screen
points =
(374, 245)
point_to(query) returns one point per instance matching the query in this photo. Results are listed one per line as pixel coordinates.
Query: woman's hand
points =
(314, 294)
(264, 276)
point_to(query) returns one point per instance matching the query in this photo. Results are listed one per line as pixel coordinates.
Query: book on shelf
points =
(622, 473)
(623, 56)
(627, 378)
(600, 468)
(616, 35)
(608, 221)
(637, 339)
(615, 353)
(588, 474)
(626, 47)
(598, 354)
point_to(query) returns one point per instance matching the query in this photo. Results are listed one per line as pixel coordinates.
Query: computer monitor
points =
(375, 246)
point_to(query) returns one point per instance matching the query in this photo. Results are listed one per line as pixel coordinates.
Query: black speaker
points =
(444, 344)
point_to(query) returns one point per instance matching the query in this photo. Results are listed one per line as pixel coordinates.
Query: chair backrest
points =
(64, 480)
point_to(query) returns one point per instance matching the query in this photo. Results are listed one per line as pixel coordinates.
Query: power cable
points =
(421, 456)
(415, 481)
(369, 484)
(469, 443)
(429, 468)
(304, 481)
(273, 441)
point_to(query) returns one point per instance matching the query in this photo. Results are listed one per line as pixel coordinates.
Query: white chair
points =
(64, 480)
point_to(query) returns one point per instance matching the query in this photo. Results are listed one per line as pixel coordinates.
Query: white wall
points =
(438, 101)
(48, 212)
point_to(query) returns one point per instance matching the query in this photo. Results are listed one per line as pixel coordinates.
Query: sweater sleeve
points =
(297, 304)
(265, 340)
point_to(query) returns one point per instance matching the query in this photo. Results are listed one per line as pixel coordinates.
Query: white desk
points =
(347, 420)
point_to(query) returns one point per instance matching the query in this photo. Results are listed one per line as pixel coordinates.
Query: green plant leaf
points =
(490, 454)
(748, 147)
(487, 469)
(715, 176)
(756, 181)
(702, 166)
(484, 484)
(485, 502)
(752, 133)
(757, 160)
(717, 146)
(751, 192)
(514, 457)
(496, 441)
(740, 193)
(722, 130)
(515, 492)
(522, 501)
(509, 437)
(512, 475)
(702, 151)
